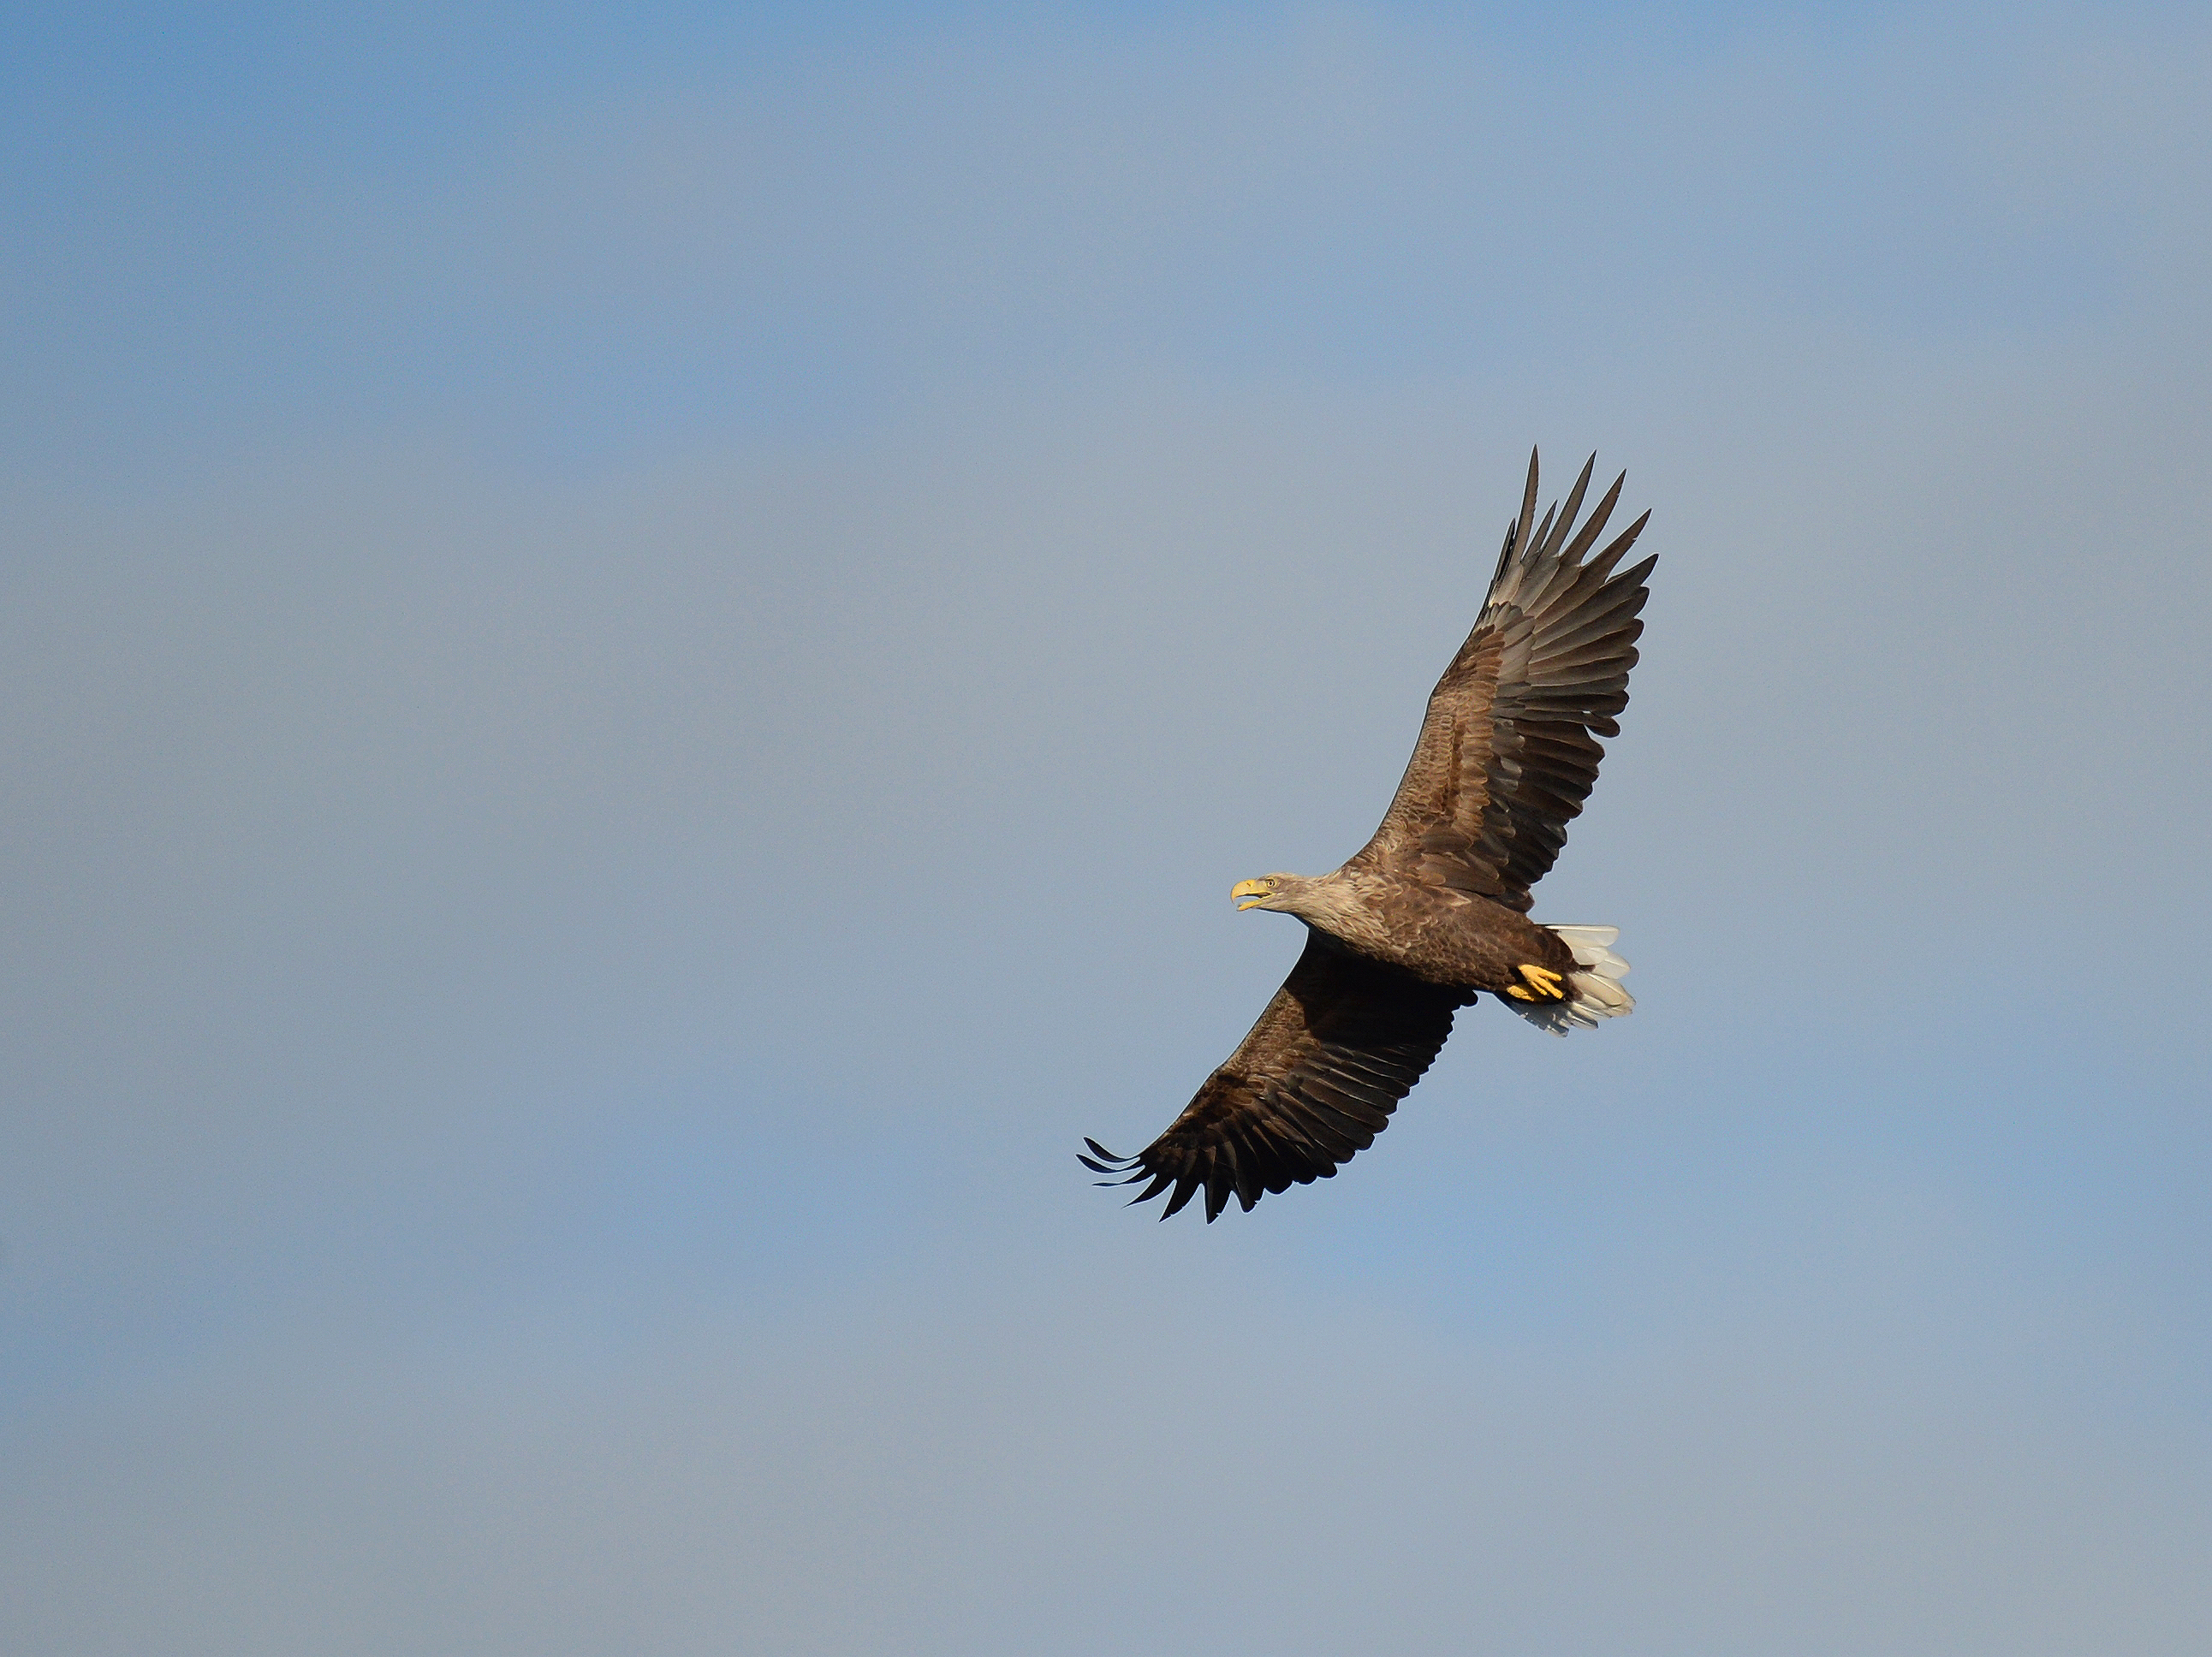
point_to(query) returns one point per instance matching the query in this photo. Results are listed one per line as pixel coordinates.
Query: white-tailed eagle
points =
(1433, 911)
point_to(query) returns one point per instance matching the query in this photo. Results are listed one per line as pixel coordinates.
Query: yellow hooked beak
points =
(1254, 892)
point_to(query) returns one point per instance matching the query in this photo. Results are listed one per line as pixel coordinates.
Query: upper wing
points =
(1343, 1040)
(1506, 756)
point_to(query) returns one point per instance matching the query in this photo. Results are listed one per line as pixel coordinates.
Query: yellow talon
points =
(1518, 993)
(1545, 981)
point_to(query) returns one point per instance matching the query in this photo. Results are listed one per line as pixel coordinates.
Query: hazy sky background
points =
(640, 647)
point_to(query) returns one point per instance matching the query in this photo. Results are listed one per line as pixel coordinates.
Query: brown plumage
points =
(1432, 911)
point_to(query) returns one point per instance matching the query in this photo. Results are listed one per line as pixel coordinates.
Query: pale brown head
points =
(1280, 892)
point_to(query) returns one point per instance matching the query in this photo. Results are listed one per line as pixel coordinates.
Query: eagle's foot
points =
(1543, 984)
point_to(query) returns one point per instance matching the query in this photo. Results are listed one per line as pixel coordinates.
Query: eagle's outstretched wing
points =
(1507, 754)
(1342, 1042)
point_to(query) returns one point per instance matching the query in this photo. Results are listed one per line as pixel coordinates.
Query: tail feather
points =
(1594, 992)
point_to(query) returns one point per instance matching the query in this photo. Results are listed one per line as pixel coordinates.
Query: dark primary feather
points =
(1343, 1041)
(1509, 751)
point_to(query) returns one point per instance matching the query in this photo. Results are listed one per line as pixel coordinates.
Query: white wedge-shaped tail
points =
(1593, 993)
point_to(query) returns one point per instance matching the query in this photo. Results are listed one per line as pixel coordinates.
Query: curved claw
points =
(1542, 982)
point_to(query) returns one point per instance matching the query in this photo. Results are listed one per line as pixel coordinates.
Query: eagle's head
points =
(1271, 892)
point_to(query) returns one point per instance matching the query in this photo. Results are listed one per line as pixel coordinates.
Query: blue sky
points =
(640, 647)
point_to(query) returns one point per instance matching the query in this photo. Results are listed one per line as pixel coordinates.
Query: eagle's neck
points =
(1342, 905)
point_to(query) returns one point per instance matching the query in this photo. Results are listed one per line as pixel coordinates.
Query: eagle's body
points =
(1440, 936)
(1432, 912)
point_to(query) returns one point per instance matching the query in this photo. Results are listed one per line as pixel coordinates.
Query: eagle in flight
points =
(1433, 911)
